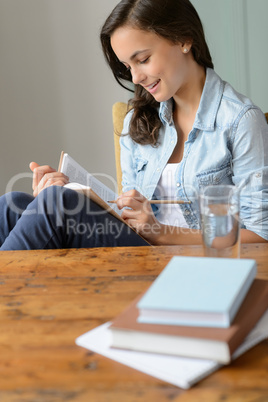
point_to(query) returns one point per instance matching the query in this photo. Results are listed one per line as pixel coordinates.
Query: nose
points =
(137, 76)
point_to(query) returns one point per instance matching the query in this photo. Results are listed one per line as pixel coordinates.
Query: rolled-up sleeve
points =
(250, 170)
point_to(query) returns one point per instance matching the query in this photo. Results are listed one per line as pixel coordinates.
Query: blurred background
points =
(56, 92)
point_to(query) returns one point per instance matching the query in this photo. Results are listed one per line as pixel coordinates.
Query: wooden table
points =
(49, 298)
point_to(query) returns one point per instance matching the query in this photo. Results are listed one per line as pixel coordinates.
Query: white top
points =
(169, 214)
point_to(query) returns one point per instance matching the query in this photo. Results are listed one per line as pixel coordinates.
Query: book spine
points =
(241, 296)
(248, 322)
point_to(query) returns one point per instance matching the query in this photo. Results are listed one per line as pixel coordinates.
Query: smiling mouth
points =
(150, 87)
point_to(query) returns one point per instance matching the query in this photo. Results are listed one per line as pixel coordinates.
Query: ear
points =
(186, 47)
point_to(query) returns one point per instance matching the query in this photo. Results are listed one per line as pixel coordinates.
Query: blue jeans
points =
(59, 218)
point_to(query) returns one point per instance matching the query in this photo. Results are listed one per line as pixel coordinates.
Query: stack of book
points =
(197, 307)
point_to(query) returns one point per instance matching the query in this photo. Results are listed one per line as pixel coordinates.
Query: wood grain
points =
(48, 298)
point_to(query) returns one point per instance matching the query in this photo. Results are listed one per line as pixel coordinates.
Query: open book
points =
(89, 185)
(84, 182)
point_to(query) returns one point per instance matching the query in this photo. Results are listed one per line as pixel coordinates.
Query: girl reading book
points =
(186, 128)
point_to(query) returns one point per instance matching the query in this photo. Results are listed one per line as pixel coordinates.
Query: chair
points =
(119, 112)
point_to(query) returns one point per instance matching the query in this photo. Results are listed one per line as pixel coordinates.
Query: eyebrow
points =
(132, 57)
(137, 53)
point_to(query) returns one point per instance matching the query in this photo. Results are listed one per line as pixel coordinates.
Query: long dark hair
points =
(174, 20)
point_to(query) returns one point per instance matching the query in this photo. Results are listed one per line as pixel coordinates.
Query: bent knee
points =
(15, 200)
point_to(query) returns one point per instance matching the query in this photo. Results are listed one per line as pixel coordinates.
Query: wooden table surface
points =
(49, 298)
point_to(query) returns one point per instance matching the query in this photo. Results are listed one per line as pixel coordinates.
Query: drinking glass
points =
(219, 209)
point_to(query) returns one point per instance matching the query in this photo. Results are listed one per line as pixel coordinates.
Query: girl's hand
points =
(46, 176)
(139, 214)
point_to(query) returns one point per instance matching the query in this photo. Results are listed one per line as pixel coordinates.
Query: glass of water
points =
(219, 209)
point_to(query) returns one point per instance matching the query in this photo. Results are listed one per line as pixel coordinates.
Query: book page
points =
(180, 371)
(80, 179)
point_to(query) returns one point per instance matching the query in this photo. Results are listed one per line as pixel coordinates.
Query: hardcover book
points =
(197, 291)
(216, 344)
(183, 372)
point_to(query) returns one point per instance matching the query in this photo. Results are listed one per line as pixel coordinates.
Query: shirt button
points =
(187, 212)
(258, 175)
(178, 184)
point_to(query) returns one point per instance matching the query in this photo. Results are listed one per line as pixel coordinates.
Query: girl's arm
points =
(139, 214)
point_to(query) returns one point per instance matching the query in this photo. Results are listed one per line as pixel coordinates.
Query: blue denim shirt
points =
(228, 144)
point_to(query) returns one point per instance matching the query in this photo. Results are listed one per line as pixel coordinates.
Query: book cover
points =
(198, 291)
(216, 344)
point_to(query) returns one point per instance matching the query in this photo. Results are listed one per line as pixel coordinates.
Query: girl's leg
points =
(62, 218)
(12, 206)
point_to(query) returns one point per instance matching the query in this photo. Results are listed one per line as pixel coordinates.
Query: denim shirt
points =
(228, 144)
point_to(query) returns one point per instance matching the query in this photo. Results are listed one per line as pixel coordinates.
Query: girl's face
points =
(158, 65)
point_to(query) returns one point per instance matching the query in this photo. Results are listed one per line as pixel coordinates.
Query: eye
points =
(128, 68)
(145, 60)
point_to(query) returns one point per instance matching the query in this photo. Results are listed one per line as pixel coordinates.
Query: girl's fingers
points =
(39, 172)
(58, 179)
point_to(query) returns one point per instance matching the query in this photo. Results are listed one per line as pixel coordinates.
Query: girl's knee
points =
(15, 201)
(57, 198)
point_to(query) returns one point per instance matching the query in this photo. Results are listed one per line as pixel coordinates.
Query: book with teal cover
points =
(197, 291)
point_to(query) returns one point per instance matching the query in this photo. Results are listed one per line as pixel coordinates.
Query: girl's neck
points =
(187, 100)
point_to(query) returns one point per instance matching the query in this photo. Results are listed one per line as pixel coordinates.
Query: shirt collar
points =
(166, 111)
(208, 107)
(210, 101)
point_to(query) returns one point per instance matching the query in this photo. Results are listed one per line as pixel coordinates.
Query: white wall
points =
(56, 91)
(237, 33)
